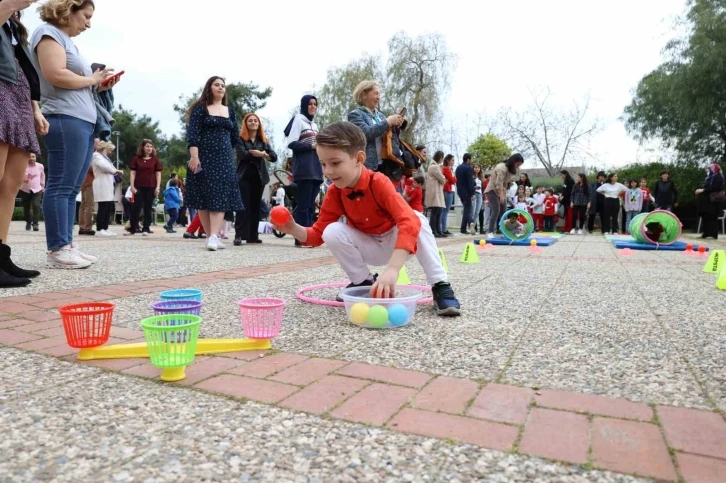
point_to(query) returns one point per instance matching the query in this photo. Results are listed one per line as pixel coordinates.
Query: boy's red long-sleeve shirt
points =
(550, 203)
(372, 207)
(415, 198)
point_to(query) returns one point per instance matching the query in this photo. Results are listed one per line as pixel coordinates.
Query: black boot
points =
(9, 268)
(8, 281)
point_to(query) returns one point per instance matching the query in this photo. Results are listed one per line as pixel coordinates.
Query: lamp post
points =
(118, 146)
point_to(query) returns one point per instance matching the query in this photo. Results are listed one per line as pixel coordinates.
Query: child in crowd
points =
(414, 194)
(580, 203)
(513, 226)
(633, 203)
(550, 210)
(380, 227)
(647, 198)
(278, 198)
(172, 203)
(538, 208)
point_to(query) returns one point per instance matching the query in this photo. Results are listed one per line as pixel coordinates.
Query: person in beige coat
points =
(434, 199)
(496, 191)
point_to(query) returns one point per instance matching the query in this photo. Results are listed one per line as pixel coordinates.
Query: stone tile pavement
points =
(566, 366)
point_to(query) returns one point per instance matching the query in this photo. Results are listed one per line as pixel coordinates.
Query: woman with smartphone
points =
(66, 84)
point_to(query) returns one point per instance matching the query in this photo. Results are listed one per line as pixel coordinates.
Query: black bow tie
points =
(355, 194)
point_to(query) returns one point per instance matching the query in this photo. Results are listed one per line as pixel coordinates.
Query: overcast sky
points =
(574, 47)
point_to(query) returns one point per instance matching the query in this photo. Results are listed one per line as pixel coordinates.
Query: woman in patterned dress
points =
(212, 186)
(20, 118)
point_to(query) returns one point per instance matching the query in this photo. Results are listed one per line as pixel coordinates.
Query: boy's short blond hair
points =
(342, 135)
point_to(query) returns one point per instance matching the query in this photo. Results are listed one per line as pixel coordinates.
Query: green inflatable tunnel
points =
(659, 227)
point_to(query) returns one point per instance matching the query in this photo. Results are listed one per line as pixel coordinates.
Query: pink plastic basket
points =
(261, 317)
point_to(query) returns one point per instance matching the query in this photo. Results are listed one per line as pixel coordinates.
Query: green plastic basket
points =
(172, 342)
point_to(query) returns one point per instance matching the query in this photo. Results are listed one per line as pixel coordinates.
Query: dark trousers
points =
(466, 217)
(183, 216)
(579, 212)
(481, 221)
(105, 211)
(31, 201)
(549, 223)
(710, 224)
(128, 207)
(144, 198)
(173, 215)
(435, 213)
(591, 219)
(611, 208)
(307, 192)
(247, 221)
(496, 210)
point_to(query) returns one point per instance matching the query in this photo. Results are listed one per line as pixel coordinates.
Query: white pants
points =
(355, 250)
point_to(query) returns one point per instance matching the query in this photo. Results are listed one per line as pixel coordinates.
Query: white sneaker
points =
(572, 232)
(89, 258)
(220, 245)
(212, 243)
(490, 236)
(104, 233)
(579, 232)
(111, 233)
(65, 258)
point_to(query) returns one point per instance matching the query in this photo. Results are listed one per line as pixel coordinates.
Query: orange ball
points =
(279, 215)
(701, 249)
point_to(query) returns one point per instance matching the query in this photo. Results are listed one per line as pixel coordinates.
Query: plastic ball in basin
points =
(376, 313)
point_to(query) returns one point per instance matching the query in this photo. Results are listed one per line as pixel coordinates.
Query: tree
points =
(417, 78)
(133, 128)
(683, 102)
(241, 97)
(488, 150)
(552, 137)
(335, 98)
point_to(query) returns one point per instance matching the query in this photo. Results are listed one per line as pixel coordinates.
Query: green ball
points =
(378, 316)
(359, 313)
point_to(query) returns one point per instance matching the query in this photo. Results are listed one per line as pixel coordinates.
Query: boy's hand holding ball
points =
(385, 286)
(282, 220)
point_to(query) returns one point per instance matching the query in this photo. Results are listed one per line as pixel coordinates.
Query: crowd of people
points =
(47, 87)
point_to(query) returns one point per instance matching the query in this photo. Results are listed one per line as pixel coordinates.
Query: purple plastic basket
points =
(166, 307)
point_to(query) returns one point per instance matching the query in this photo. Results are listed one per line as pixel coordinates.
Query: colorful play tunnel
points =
(658, 227)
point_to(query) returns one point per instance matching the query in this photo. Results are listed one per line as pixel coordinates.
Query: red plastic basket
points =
(87, 324)
(261, 317)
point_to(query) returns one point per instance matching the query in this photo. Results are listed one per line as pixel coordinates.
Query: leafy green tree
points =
(488, 150)
(133, 128)
(335, 98)
(417, 78)
(683, 102)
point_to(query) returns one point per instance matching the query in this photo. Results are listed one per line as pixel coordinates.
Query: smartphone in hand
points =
(112, 78)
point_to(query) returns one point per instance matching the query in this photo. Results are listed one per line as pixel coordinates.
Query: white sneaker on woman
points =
(104, 233)
(579, 232)
(212, 243)
(65, 258)
(572, 232)
(81, 255)
(220, 245)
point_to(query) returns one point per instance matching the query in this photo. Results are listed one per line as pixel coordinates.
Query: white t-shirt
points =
(538, 206)
(612, 190)
(280, 197)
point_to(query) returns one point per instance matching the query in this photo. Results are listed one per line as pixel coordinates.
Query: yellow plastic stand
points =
(403, 278)
(469, 254)
(173, 374)
(715, 262)
(443, 260)
(204, 346)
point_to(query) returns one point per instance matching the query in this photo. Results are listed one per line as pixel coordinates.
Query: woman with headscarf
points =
(253, 149)
(307, 174)
(709, 200)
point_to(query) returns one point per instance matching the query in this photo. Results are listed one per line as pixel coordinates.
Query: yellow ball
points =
(359, 313)
(533, 243)
(482, 242)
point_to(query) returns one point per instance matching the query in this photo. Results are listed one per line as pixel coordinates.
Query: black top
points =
(245, 160)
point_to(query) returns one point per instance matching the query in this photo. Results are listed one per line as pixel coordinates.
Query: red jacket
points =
(450, 179)
(415, 198)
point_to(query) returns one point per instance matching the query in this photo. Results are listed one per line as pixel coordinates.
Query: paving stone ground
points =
(573, 364)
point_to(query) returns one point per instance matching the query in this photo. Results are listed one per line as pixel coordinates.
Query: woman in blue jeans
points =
(66, 83)
(307, 174)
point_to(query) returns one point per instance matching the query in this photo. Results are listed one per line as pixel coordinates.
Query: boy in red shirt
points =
(550, 210)
(380, 227)
(646, 195)
(414, 195)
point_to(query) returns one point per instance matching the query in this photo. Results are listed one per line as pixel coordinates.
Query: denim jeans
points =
(629, 215)
(173, 216)
(477, 207)
(70, 146)
(307, 192)
(449, 200)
